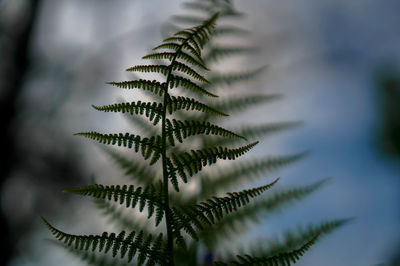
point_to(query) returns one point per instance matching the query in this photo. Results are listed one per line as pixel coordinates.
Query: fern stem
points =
(168, 214)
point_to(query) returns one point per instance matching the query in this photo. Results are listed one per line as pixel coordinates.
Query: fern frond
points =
(238, 103)
(149, 68)
(252, 132)
(182, 44)
(152, 110)
(180, 103)
(181, 55)
(200, 35)
(168, 45)
(127, 195)
(191, 163)
(214, 209)
(177, 81)
(226, 177)
(230, 225)
(184, 129)
(178, 66)
(135, 170)
(118, 244)
(149, 147)
(283, 259)
(147, 85)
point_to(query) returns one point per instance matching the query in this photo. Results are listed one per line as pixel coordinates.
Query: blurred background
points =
(336, 62)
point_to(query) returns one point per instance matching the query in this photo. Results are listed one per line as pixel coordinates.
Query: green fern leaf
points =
(253, 132)
(182, 55)
(180, 103)
(106, 242)
(177, 81)
(149, 147)
(214, 209)
(177, 66)
(283, 259)
(184, 129)
(152, 110)
(226, 177)
(191, 163)
(127, 195)
(230, 225)
(150, 68)
(152, 86)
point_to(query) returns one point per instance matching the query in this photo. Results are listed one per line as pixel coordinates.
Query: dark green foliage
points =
(202, 217)
(135, 243)
(281, 259)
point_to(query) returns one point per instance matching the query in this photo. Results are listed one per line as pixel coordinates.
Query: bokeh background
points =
(336, 62)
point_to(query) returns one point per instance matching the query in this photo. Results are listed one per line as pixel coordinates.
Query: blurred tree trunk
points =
(14, 68)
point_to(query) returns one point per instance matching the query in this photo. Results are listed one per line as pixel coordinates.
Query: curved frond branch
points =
(147, 85)
(134, 243)
(152, 110)
(188, 164)
(226, 177)
(150, 69)
(181, 55)
(177, 81)
(168, 45)
(183, 129)
(186, 103)
(210, 211)
(230, 225)
(178, 66)
(283, 259)
(127, 195)
(255, 132)
(149, 147)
